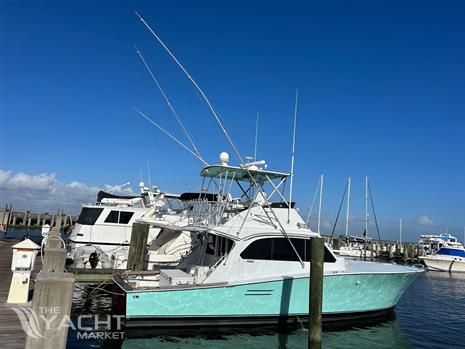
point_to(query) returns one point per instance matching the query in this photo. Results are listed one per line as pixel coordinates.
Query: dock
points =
(12, 335)
(15, 218)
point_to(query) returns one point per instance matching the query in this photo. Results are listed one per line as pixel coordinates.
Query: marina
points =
(291, 206)
(394, 330)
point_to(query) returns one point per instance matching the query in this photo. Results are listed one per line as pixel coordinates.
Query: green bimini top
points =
(240, 174)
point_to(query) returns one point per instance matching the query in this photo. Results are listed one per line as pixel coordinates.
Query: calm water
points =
(431, 314)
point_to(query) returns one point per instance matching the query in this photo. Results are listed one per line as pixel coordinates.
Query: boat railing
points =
(206, 213)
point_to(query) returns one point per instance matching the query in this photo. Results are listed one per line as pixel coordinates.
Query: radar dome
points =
(224, 158)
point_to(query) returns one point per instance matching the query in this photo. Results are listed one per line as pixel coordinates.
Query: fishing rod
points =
(170, 106)
(170, 135)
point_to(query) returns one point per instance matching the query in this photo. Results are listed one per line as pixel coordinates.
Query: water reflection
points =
(381, 335)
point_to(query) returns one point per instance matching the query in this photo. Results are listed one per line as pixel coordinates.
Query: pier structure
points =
(15, 218)
(405, 252)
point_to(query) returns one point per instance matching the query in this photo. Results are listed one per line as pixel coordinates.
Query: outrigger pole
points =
(170, 135)
(196, 86)
(165, 97)
(292, 156)
(226, 134)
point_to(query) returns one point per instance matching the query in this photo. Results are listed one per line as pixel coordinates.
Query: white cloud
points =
(47, 193)
(425, 220)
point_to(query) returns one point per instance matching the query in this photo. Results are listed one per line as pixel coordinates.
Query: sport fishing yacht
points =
(251, 263)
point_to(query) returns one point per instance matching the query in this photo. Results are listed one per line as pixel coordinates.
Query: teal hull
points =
(343, 293)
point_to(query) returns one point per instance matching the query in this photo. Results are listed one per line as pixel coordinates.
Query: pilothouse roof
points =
(240, 173)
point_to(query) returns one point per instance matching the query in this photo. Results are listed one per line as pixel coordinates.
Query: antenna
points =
(170, 135)
(292, 155)
(148, 172)
(117, 187)
(216, 116)
(256, 139)
(366, 208)
(400, 230)
(348, 206)
(319, 206)
(173, 111)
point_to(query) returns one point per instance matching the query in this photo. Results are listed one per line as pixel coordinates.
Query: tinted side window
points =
(112, 217)
(125, 217)
(259, 249)
(89, 215)
(279, 249)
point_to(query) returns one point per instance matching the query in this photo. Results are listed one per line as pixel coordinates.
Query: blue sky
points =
(381, 94)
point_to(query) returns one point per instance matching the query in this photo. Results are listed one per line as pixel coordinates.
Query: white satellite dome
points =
(224, 158)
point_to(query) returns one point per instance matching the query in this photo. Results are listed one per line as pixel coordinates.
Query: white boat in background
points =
(430, 243)
(448, 258)
(102, 233)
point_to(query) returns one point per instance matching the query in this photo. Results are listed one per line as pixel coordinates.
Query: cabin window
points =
(279, 249)
(121, 217)
(89, 215)
(112, 217)
(125, 217)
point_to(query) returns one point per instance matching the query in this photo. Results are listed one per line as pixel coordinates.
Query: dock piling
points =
(138, 244)
(316, 292)
(51, 304)
(54, 260)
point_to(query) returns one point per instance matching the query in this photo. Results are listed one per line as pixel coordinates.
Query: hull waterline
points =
(345, 297)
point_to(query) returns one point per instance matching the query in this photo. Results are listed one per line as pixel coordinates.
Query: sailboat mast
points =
(366, 208)
(292, 155)
(348, 207)
(319, 206)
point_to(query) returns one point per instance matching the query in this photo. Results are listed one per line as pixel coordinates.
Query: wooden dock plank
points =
(12, 335)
